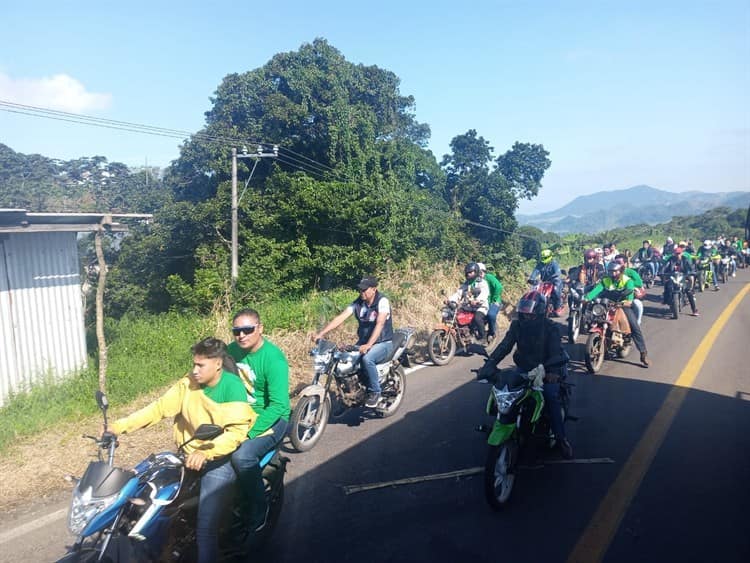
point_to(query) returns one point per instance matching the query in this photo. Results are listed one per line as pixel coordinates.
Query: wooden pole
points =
(102, 343)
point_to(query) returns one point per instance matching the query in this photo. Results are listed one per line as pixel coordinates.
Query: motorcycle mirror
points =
(101, 400)
(208, 432)
(442, 292)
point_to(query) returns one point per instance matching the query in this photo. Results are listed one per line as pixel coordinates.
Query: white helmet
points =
(482, 267)
(707, 243)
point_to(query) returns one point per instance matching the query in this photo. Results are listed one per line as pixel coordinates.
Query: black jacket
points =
(531, 348)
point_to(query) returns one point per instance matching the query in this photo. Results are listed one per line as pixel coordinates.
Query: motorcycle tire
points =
(723, 276)
(499, 473)
(397, 380)
(85, 555)
(674, 305)
(303, 431)
(441, 347)
(574, 326)
(595, 351)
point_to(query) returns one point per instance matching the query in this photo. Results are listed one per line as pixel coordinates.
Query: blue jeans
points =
(375, 355)
(555, 298)
(216, 492)
(638, 306)
(246, 460)
(492, 318)
(654, 268)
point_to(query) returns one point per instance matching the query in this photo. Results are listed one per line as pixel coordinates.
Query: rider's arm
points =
(165, 406)
(596, 290)
(336, 322)
(506, 344)
(277, 395)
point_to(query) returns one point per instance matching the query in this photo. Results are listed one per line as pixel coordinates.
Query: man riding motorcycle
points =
(708, 252)
(549, 271)
(587, 274)
(619, 287)
(637, 283)
(679, 262)
(476, 293)
(538, 340)
(646, 255)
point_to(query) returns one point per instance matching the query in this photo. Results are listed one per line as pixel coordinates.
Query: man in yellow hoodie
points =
(210, 394)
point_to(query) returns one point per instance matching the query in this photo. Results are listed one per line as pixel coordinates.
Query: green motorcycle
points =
(517, 403)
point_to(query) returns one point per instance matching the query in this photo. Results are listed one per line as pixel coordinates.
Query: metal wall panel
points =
(43, 334)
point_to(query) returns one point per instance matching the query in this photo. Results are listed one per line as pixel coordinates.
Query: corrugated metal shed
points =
(42, 331)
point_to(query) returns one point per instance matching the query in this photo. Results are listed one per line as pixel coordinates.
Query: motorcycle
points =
(148, 513)
(576, 291)
(644, 270)
(517, 403)
(609, 333)
(338, 385)
(675, 293)
(454, 332)
(722, 269)
(705, 276)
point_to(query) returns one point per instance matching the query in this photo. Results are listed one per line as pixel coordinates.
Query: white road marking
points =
(33, 525)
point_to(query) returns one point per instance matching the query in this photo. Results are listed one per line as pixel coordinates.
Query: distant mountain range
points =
(637, 205)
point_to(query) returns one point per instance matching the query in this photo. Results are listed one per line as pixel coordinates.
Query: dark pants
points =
(245, 461)
(552, 404)
(478, 322)
(635, 329)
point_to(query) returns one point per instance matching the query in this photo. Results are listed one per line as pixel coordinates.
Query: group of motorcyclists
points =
(246, 384)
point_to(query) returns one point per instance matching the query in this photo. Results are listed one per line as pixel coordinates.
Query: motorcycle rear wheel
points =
(398, 381)
(441, 347)
(594, 355)
(304, 432)
(499, 473)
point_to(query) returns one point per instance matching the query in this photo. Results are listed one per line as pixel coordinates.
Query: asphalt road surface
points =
(662, 461)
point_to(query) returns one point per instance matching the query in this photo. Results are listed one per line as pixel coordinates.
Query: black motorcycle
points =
(675, 292)
(644, 270)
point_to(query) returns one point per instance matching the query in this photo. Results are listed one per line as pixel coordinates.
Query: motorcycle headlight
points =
(677, 277)
(598, 310)
(320, 362)
(84, 508)
(505, 398)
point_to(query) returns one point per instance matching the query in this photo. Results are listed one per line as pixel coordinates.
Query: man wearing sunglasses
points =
(374, 335)
(264, 370)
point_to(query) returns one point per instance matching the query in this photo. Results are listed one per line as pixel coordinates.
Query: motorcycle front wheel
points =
(594, 355)
(304, 431)
(574, 326)
(674, 305)
(393, 392)
(500, 473)
(441, 347)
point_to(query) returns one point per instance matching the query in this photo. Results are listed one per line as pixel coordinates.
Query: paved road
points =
(676, 491)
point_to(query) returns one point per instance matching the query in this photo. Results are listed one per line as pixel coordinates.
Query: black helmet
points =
(533, 303)
(471, 267)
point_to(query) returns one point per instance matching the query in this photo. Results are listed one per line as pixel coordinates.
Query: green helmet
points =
(545, 256)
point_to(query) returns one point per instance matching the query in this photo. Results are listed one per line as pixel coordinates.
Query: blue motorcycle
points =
(148, 513)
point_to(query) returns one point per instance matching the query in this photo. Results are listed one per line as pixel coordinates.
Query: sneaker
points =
(260, 525)
(716, 288)
(644, 360)
(566, 450)
(373, 399)
(695, 314)
(734, 274)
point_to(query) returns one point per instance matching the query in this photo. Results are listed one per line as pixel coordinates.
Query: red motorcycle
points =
(455, 331)
(609, 332)
(546, 288)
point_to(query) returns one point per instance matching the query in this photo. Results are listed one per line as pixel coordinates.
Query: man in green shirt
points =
(496, 291)
(264, 370)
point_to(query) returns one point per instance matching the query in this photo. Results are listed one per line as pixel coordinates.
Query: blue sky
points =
(619, 93)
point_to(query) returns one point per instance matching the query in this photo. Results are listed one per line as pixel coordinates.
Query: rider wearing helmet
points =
(496, 291)
(619, 287)
(475, 293)
(582, 278)
(537, 340)
(679, 262)
(549, 271)
(708, 252)
(668, 246)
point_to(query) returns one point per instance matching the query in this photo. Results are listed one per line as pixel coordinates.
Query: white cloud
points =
(61, 92)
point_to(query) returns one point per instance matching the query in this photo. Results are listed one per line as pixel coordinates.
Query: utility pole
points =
(257, 155)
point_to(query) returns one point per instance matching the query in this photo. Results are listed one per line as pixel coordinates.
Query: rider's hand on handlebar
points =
(196, 460)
